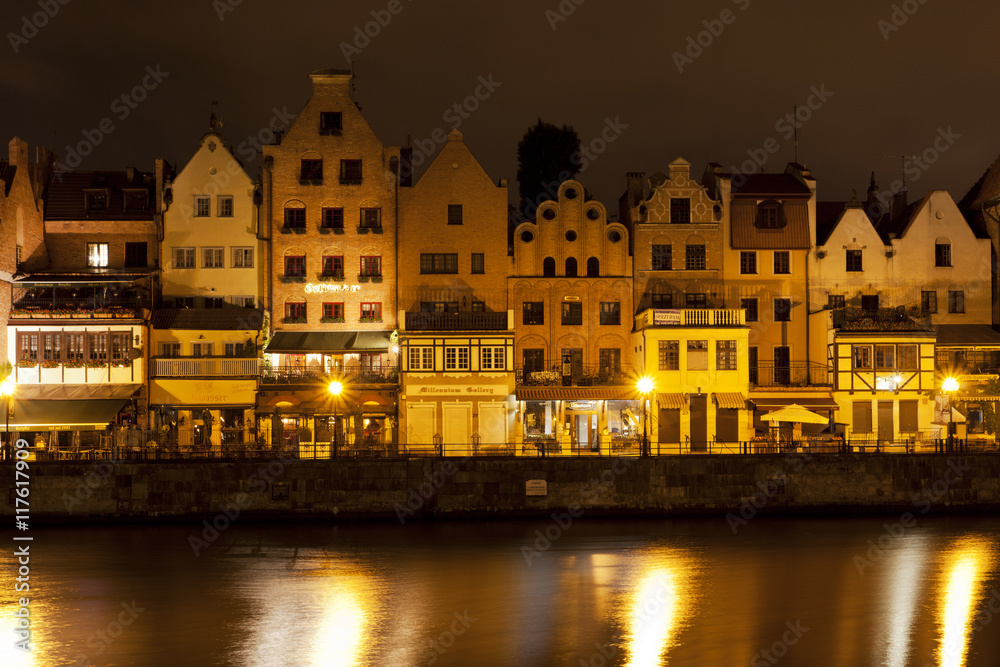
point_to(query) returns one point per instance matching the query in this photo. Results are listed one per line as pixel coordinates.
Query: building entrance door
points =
(585, 431)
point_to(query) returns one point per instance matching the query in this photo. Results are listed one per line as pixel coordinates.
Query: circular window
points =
(614, 236)
(549, 214)
(527, 236)
(571, 235)
(570, 193)
(593, 213)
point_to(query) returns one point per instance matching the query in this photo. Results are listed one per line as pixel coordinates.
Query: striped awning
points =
(671, 401)
(574, 393)
(734, 400)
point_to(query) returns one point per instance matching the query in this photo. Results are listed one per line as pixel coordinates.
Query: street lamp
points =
(949, 387)
(645, 386)
(335, 388)
(7, 391)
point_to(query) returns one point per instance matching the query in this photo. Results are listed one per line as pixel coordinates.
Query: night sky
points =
(893, 82)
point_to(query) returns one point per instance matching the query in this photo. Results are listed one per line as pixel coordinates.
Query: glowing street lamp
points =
(335, 388)
(949, 387)
(645, 387)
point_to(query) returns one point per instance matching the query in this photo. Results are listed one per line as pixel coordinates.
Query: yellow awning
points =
(734, 400)
(575, 393)
(671, 401)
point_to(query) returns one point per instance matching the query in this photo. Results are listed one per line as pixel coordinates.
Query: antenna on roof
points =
(795, 129)
(902, 166)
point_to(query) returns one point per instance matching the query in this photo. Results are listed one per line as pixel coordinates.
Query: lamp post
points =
(7, 391)
(949, 387)
(645, 386)
(335, 388)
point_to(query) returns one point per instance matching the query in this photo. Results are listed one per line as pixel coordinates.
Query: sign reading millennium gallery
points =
(427, 390)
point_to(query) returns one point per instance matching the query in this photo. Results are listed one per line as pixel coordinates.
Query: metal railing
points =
(166, 450)
(467, 321)
(317, 374)
(550, 375)
(205, 367)
(882, 319)
(792, 374)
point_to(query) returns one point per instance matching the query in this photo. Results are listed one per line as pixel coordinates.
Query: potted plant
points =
(332, 320)
(73, 363)
(286, 230)
(362, 230)
(377, 279)
(50, 363)
(26, 363)
(299, 230)
(363, 277)
(325, 230)
(338, 230)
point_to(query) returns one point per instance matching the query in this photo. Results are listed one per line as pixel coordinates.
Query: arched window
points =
(593, 267)
(571, 267)
(548, 267)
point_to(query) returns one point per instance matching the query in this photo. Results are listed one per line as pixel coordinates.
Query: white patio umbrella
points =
(795, 413)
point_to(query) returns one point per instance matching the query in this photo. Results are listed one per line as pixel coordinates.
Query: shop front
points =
(457, 416)
(578, 420)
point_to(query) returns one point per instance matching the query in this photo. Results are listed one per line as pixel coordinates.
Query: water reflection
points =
(657, 610)
(902, 592)
(966, 568)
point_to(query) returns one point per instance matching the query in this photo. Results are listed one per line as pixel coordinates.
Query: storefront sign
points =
(667, 317)
(326, 288)
(582, 405)
(478, 390)
(535, 487)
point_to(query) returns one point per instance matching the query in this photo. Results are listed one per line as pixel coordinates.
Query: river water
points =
(858, 591)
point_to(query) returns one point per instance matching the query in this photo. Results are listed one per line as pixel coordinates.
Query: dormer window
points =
(96, 200)
(136, 200)
(330, 122)
(770, 215)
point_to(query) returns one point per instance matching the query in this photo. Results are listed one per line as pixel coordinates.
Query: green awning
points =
(329, 342)
(83, 415)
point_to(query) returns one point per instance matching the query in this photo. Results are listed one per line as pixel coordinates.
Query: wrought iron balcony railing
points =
(206, 367)
(467, 321)
(551, 374)
(792, 374)
(317, 374)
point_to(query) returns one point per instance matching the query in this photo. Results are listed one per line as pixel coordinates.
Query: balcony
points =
(467, 321)
(691, 317)
(75, 308)
(581, 375)
(221, 367)
(279, 375)
(883, 319)
(793, 374)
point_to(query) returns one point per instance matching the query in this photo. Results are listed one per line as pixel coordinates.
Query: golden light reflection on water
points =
(657, 610)
(903, 596)
(10, 655)
(961, 588)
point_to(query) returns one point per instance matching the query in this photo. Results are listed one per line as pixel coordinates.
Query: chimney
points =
(636, 187)
(335, 81)
(898, 204)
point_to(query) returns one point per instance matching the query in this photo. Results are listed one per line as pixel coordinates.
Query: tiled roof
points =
(900, 223)
(206, 319)
(959, 335)
(65, 196)
(987, 186)
(793, 236)
(768, 185)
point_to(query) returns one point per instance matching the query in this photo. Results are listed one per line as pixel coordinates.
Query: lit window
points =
(862, 357)
(422, 358)
(670, 356)
(371, 312)
(725, 355)
(697, 355)
(97, 254)
(492, 359)
(456, 358)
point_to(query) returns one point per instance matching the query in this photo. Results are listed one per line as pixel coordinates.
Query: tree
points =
(546, 156)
